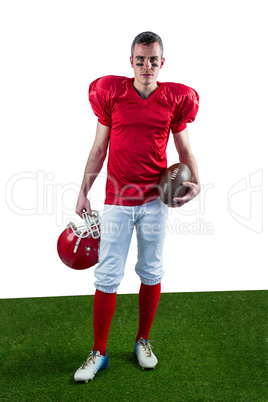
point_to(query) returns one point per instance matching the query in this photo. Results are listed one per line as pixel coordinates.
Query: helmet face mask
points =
(78, 246)
(91, 226)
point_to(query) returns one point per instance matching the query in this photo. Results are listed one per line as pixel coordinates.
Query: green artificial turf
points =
(210, 347)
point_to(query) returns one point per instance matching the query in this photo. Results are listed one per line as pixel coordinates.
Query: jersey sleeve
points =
(185, 111)
(100, 100)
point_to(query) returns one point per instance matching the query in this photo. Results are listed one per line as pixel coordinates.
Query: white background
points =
(50, 52)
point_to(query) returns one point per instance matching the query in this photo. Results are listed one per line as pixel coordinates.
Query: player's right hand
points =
(82, 205)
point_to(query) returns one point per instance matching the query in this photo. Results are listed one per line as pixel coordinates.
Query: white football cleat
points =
(145, 356)
(94, 363)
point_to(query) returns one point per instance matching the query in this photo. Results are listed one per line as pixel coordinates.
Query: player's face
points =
(147, 62)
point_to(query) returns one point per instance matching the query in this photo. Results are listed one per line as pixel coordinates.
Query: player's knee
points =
(150, 274)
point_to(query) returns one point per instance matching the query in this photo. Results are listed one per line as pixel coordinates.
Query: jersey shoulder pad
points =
(112, 84)
(175, 92)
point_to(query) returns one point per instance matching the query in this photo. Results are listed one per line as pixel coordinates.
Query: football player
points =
(135, 117)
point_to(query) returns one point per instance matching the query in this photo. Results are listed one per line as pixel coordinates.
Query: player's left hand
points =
(193, 191)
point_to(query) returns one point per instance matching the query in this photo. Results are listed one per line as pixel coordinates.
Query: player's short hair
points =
(147, 38)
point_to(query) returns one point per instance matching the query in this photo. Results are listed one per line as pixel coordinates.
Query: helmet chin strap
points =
(77, 244)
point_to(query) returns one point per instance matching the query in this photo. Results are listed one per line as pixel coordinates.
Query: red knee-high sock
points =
(104, 307)
(148, 301)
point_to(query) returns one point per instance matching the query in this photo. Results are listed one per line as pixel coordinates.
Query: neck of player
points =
(145, 91)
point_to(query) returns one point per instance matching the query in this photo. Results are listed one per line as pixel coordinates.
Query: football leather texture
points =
(170, 183)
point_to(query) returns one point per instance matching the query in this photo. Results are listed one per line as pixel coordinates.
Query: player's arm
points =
(182, 143)
(94, 164)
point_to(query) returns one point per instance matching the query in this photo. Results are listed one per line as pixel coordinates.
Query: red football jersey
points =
(139, 133)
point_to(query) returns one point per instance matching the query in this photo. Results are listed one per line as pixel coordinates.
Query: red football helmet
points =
(78, 247)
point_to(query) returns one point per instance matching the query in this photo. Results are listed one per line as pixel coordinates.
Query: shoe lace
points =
(147, 347)
(91, 358)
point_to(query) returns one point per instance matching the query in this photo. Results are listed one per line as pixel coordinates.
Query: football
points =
(170, 183)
